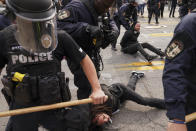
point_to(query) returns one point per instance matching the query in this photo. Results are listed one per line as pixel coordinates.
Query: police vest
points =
(43, 79)
(24, 62)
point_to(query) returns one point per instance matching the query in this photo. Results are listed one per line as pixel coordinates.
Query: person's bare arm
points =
(97, 94)
(176, 127)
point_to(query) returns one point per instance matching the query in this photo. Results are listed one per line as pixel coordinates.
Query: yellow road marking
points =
(161, 34)
(160, 67)
(154, 65)
(142, 63)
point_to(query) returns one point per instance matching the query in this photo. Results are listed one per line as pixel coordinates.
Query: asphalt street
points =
(118, 68)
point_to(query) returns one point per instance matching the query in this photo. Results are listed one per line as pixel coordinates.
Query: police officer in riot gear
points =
(33, 49)
(179, 75)
(153, 8)
(80, 18)
(126, 16)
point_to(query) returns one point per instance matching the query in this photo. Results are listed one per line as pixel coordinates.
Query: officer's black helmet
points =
(36, 24)
(35, 10)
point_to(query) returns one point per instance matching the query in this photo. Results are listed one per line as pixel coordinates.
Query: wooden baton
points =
(190, 117)
(45, 107)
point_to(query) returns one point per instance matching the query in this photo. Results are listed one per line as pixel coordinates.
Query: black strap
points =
(88, 4)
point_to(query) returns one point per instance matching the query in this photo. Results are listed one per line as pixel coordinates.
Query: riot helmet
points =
(36, 24)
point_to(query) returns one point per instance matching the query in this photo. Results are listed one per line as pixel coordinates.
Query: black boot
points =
(113, 46)
(161, 53)
(150, 58)
(149, 21)
(138, 74)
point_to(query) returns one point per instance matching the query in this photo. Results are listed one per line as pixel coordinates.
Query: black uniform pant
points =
(161, 10)
(132, 48)
(153, 10)
(128, 93)
(172, 11)
(116, 19)
(81, 81)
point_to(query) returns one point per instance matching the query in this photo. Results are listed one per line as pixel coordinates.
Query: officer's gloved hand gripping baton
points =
(45, 107)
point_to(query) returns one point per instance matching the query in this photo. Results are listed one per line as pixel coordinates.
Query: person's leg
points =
(174, 8)
(145, 54)
(133, 79)
(170, 11)
(156, 15)
(9, 126)
(129, 94)
(169, 5)
(150, 15)
(159, 15)
(131, 49)
(153, 49)
(162, 10)
(113, 45)
(142, 9)
(84, 87)
(26, 122)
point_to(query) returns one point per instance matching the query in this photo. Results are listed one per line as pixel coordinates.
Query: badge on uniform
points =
(174, 48)
(63, 14)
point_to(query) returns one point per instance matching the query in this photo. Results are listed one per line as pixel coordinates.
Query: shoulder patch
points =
(63, 14)
(174, 48)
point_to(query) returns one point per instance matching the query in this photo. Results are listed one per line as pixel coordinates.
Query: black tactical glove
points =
(94, 31)
(112, 36)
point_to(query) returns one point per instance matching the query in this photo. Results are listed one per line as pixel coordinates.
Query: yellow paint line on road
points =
(160, 67)
(153, 63)
(161, 34)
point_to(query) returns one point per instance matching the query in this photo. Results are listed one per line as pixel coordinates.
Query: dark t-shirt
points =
(66, 47)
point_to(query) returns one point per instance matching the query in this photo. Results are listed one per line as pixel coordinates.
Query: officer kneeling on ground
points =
(179, 75)
(33, 49)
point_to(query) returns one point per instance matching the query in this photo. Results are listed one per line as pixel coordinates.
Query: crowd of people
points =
(37, 35)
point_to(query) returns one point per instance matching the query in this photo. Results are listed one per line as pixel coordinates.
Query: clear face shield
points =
(36, 36)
